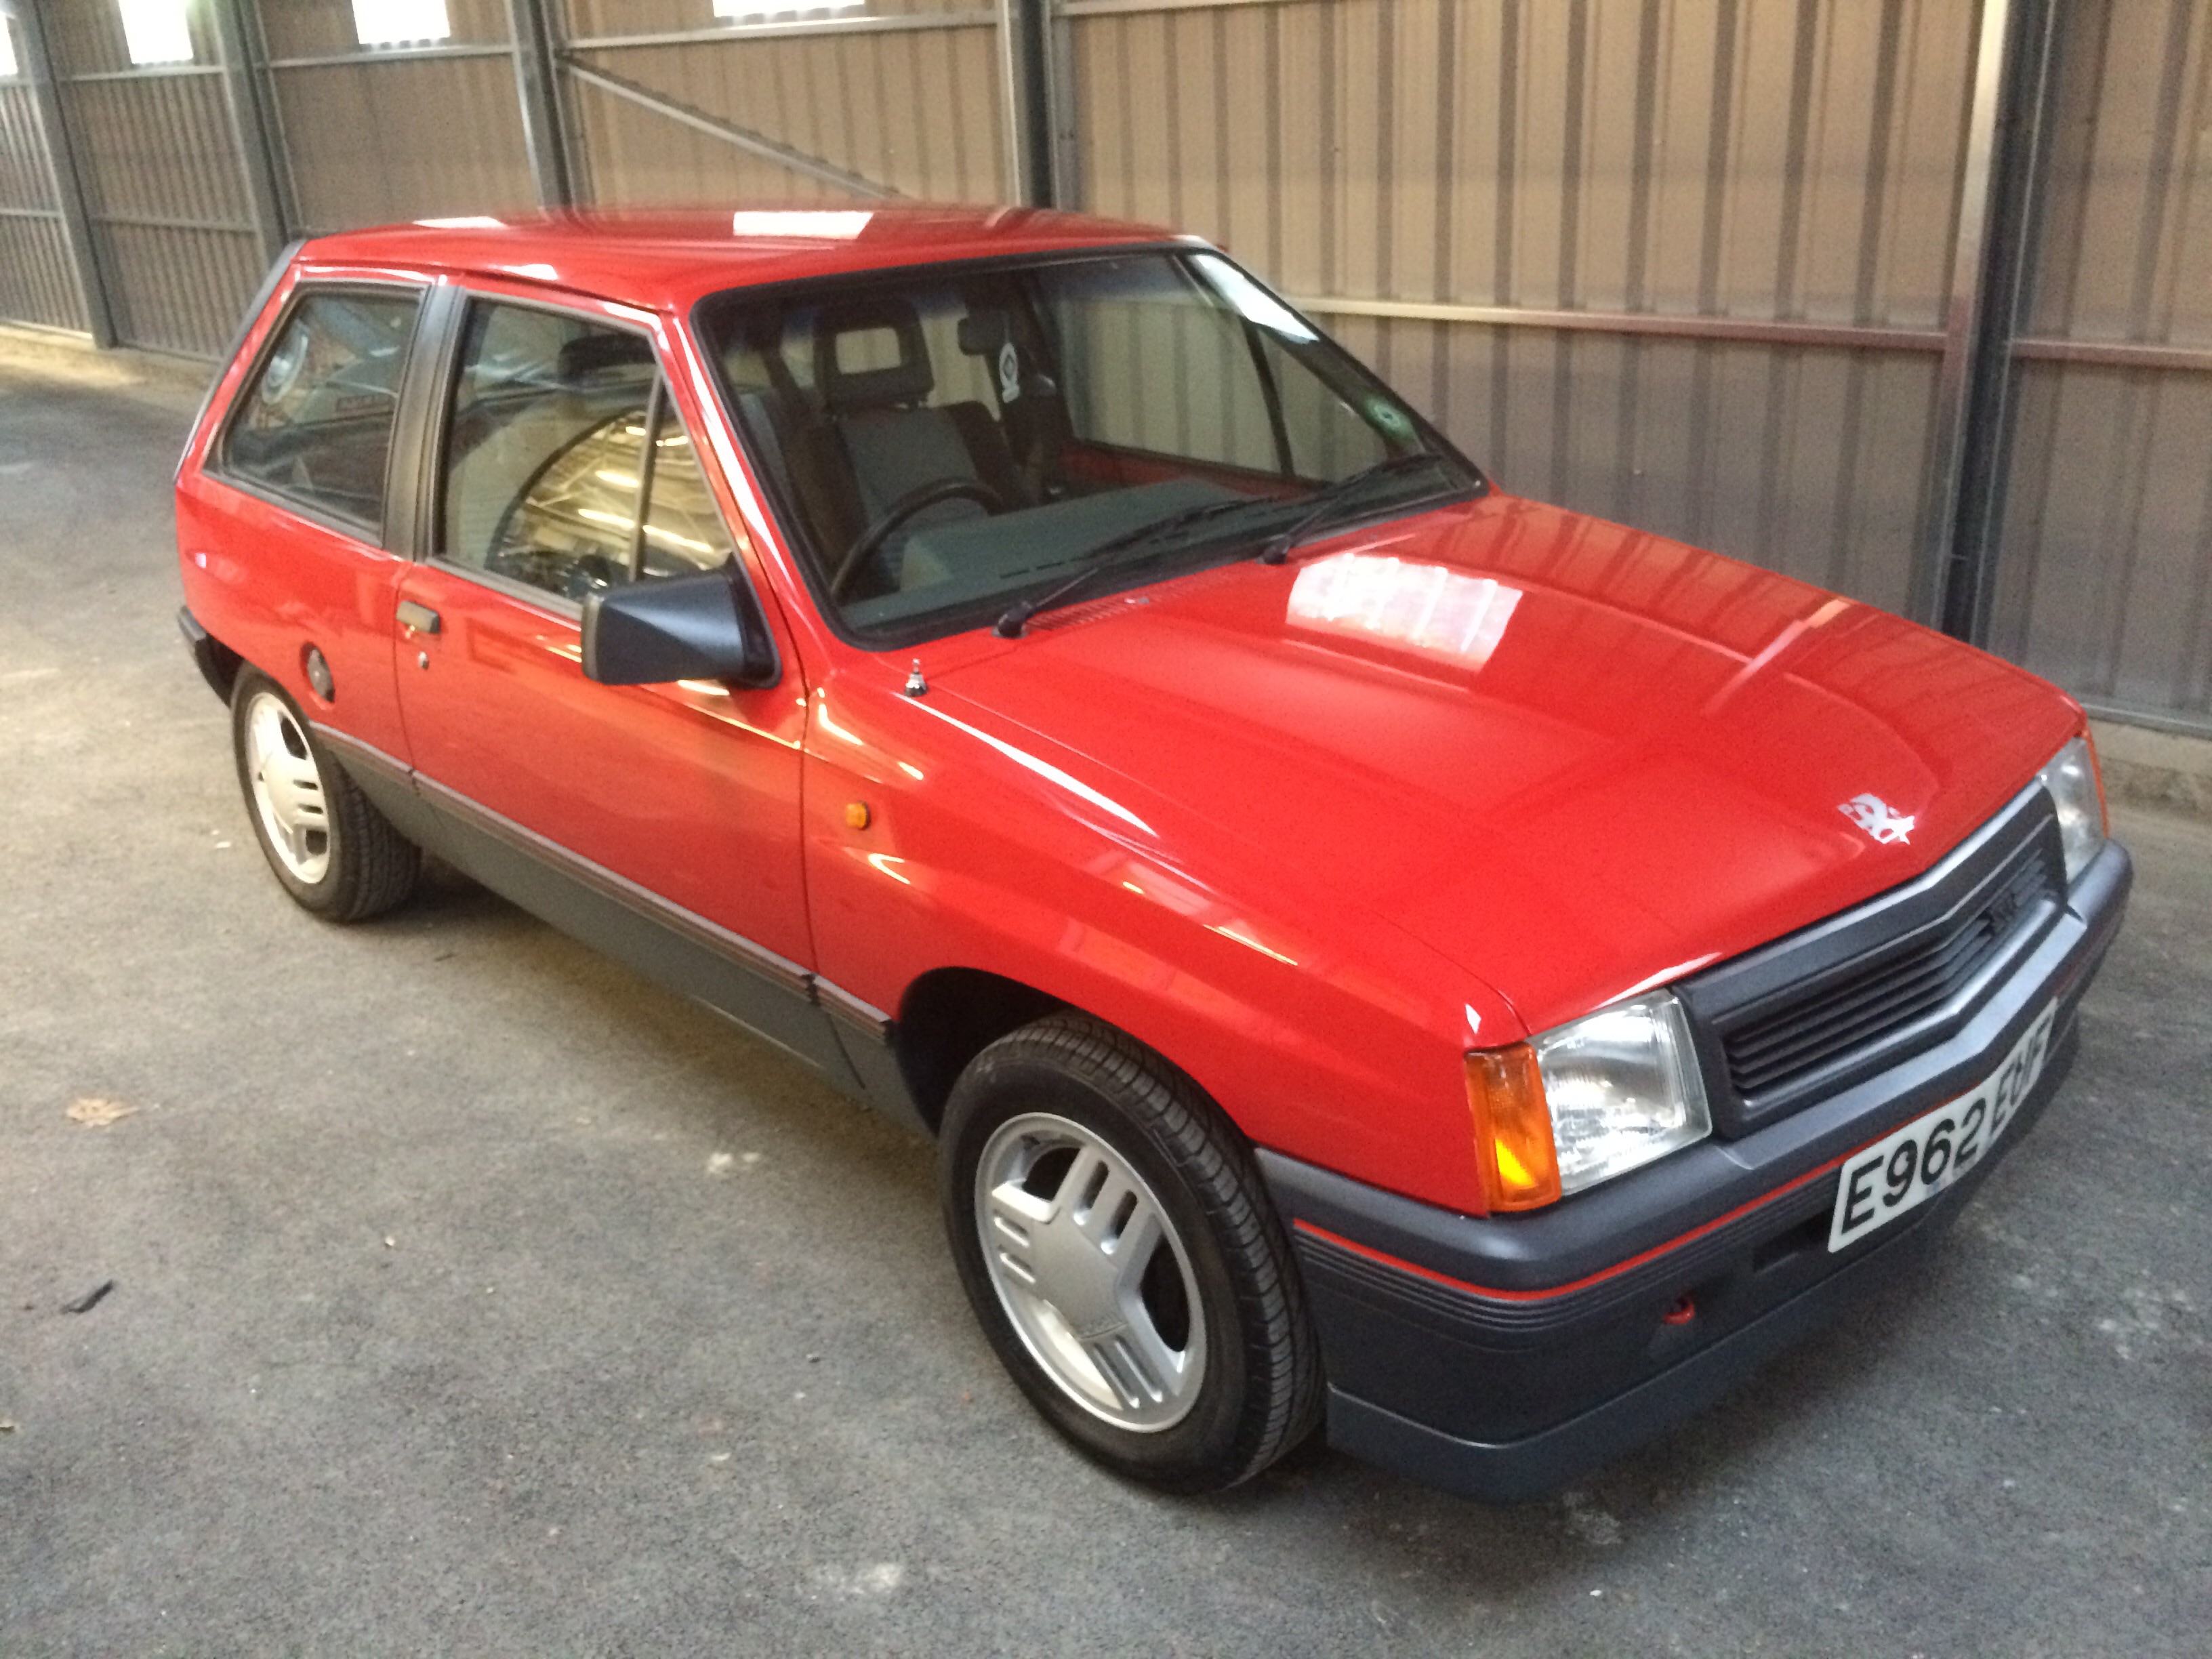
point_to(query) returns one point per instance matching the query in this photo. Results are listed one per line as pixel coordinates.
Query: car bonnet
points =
(1574, 758)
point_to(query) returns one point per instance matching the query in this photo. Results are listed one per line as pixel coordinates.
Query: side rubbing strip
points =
(361, 757)
(734, 947)
(843, 1005)
(861, 1018)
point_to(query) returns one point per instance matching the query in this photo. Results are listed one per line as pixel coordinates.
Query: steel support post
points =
(1067, 157)
(1966, 310)
(69, 183)
(1013, 106)
(253, 121)
(1969, 571)
(1040, 103)
(537, 85)
(1025, 92)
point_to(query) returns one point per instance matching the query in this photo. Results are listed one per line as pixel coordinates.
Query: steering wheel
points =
(914, 501)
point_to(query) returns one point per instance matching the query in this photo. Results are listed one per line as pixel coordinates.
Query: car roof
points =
(666, 260)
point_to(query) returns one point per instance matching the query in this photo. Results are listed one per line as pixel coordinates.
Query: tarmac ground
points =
(470, 1294)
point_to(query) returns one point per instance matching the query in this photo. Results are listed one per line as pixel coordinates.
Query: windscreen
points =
(950, 442)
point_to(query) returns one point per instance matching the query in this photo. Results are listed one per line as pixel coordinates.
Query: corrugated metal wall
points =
(36, 283)
(1691, 265)
(172, 229)
(905, 101)
(2105, 574)
(1756, 160)
(369, 136)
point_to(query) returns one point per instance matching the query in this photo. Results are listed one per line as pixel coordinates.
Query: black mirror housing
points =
(707, 627)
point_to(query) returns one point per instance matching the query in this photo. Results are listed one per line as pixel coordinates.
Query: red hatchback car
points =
(1368, 947)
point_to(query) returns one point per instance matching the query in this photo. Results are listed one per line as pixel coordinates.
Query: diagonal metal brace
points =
(739, 137)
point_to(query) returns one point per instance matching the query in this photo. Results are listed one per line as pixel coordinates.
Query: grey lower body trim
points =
(865, 1018)
(850, 1041)
(740, 952)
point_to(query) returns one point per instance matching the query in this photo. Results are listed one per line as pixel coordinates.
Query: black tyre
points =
(334, 852)
(1114, 1239)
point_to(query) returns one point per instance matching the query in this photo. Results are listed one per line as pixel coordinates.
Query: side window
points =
(559, 428)
(316, 423)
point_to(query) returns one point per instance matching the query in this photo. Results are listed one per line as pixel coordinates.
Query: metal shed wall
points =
(2105, 573)
(1541, 178)
(903, 100)
(1710, 267)
(367, 135)
(36, 283)
(172, 226)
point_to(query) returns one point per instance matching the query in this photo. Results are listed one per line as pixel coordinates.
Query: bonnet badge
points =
(1876, 816)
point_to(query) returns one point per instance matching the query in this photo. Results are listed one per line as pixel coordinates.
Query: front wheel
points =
(332, 850)
(1112, 1236)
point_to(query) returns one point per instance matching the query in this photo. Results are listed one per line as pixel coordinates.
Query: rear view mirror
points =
(684, 627)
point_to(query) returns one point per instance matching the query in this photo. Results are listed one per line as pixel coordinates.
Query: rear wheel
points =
(332, 850)
(1114, 1240)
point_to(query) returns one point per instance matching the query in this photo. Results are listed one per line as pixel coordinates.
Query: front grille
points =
(1880, 996)
(1816, 1010)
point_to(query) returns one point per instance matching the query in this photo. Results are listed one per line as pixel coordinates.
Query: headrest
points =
(983, 332)
(600, 350)
(907, 381)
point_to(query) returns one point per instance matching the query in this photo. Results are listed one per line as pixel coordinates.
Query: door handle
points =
(417, 618)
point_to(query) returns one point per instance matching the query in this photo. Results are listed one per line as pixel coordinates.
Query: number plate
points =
(1906, 1169)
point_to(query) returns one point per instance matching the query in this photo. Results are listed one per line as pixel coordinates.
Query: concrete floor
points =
(442, 1323)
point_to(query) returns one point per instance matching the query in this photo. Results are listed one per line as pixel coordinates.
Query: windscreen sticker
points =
(1388, 417)
(1010, 373)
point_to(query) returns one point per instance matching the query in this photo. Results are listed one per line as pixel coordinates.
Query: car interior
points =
(947, 440)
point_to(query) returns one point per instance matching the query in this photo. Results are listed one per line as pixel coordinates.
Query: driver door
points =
(565, 467)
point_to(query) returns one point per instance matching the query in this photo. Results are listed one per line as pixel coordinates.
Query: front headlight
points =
(2071, 781)
(1586, 1101)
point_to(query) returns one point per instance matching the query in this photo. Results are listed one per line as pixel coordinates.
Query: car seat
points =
(878, 438)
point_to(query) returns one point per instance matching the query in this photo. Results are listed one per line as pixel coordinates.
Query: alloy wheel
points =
(287, 789)
(1091, 1271)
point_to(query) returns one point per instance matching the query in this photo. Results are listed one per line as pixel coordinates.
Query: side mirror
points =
(685, 627)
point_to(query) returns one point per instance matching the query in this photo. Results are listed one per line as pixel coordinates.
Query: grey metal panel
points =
(314, 28)
(51, 139)
(1749, 158)
(2128, 200)
(2105, 574)
(155, 151)
(37, 284)
(586, 19)
(388, 138)
(179, 290)
(159, 147)
(1806, 460)
(2106, 583)
(26, 180)
(1733, 164)
(877, 104)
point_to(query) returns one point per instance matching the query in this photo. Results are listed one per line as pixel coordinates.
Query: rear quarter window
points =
(314, 424)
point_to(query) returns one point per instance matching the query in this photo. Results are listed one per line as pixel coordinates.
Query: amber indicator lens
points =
(1513, 1148)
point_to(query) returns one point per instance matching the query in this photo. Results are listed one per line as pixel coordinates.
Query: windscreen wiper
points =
(1016, 617)
(1324, 502)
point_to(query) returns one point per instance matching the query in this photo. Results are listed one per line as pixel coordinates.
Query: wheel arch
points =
(218, 663)
(950, 1015)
